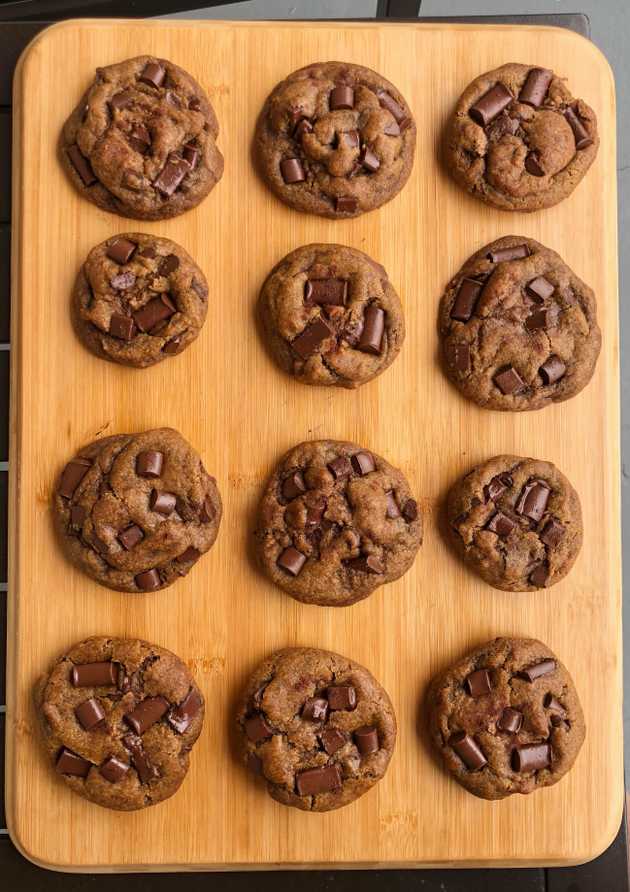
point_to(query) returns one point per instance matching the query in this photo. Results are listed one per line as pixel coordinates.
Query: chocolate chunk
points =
(318, 780)
(254, 763)
(550, 702)
(350, 139)
(181, 716)
(504, 254)
(540, 288)
(478, 683)
(369, 160)
(122, 327)
(410, 510)
(72, 475)
(341, 97)
(373, 328)
(293, 485)
(341, 696)
(552, 533)
(190, 154)
(510, 721)
(130, 536)
(149, 252)
(537, 670)
(340, 467)
(168, 264)
(81, 165)
(153, 74)
(69, 763)
(315, 709)
(171, 176)
(539, 575)
(532, 165)
(77, 515)
(148, 581)
(147, 713)
(311, 338)
(121, 100)
(458, 356)
(257, 728)
(191, 554)
(123, 281)
(292, 171)
(509, 381)
(490, 105)
(208, 512)
(533, 757)
(394, 108)
(88, 675)
(149, 317)
(291, 560)
(162, 502)
(582, 139)
(332, 740)
(552, 370)
(366, 740)
(302, 127)
(171, 347)
(465, 301)
(121, 250)
(539, 319)
(392, 510)
(139, 759)
(501, 126)
(501, 525)
(535, 88)
(314, 513)
(497, 487)
(363, 463)
(140, 139)
(366, 564)
(149, 463)
(533, 500)
(346, 204)
(90, 713)
(326, 291)
(114, 769)
(468, 750)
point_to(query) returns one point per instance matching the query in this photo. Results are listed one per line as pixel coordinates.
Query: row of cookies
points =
(120, 717)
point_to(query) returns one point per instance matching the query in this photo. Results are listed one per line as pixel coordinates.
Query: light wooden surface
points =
(242, 413)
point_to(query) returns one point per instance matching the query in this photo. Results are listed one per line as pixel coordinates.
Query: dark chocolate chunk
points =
(122, 327)
(340, 467)
(532, 165)
(130, 536)
(291, 560)
(539, 575)
(171, 176)
(501, 525)
(533, 757)
(190, 154)
(69, 763)
(318, 780)
(314, 513)
(302, 127)
(537, 670)
(153, 74)
(497, 486)
(191, 554)
(391, 128)
(148, 581)
(332, 740)
(394, 108)
(72, 475)
(257, 728)
(149, 252)
(540, 288)
(147, 713)
(149, 317)
(465, 301)
(292, 171)
(552, 533)
(121, 100)
(468, 750)
(77, 515)
(490, 105)
(81, 165)
(366, 564)
(410, 510)
(478, 683)
(392, 509)
(194, 103)
(458, 356)
(363, 463)
(582, 139)
(181, 716)
(550, 702)
(509, 381)
(114, 769)
(168, 264)
(510, 721)
(366, 740)
(140, 139)
(315, 709)
(88, 675)
(539, 319)
(90, 713)
(171, 347)
(311, 338)
(149, 463)
(208, 512)
(121, 250)
(346, 204)
(535, 88)
(341, 696)
(123, 281)
(341, 97)
(504, 254)
(369, 160)
(293, 485)
(139, 759)
(162, 502)
(552, 370)
(326, 291)
(373, 328)
(533, 500)
(350, 139)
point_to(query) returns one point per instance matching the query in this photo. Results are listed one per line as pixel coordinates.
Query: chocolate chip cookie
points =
(506, 719)
(139, 299)
(136, 511)
(519, 329)
(336, 522)
(518, 140)
(317, 727)
(335, 139)
(119, 718)
(331, 316)
(142, 140)
(517, 522)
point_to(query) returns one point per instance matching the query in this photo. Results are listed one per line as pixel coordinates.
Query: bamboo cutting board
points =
(225, 395)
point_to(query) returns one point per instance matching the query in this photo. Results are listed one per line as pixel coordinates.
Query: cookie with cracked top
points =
(518, 139)
(335, 522)
(518, 328)
(331, 316)
(142, 140)
(506, 718)
(136, 511)
(517, 522)
(317, 727)
(335, 139)
(119, 717)
(139, 299)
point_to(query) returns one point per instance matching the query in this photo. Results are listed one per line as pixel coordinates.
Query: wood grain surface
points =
(225, 395)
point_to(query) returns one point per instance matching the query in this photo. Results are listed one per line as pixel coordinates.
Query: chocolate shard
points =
(533, 757)
(168, 264)
(466, 299)
(81, 165)
(490, 105)
(478, 683)
(468, 750)
(369, 159)
(114, 769)
(156, 311)
(326, 291)
(121, 250)
(180, 717)
(190, 154)
(313, 336)
(540, 288)
(497, 486)
(501, 524)
(363, 463)
(171, 176)
(293, 485)
(88, 675)
(315, 709)
(552, 370)
(535, 88)
(366, 740)
(509, 381)
(387, 101)
(90, 713)
(319, 780)
(342, 97)
(139, 759)
(122, 327)
(533, 500)
(147, 713)
(291, 560)
(341, 696)
(130, 536)
(340, 467)
(257, 729)
(510, 721)
(537, 670)
(373, 328)
(292, 171)
(153, 74)
(582, 138)
(69, 763)
(72, 475)
(518, 252)
(552, 533)
(332, 740)
(149, 463)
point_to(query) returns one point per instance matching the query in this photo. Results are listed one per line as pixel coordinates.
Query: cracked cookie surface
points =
(506, 719)
(139, 299)
(519, 329)
(335, 139)
(518, 140)
(119, 717)
(317, 727)
(142, 140)
(336, 521)
(517, 522)
(331, 316)
(136, 511)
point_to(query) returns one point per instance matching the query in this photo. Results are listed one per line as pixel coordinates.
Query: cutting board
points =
(225, 395)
